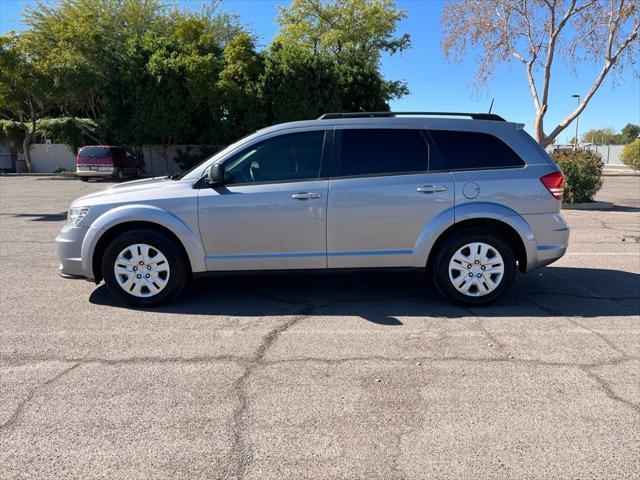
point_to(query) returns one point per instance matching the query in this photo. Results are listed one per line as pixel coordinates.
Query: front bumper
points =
(95, 171)
(69, 247)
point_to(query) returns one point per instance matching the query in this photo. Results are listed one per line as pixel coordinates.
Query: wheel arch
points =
(112, 223)
(508, 232)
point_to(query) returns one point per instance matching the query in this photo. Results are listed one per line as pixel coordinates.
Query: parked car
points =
(100, 161)
(469, 200)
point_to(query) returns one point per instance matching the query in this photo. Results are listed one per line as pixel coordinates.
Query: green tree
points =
(630, 133)
(299, 84)
(601, 136)
(240, 88)
(352, 34)
(631, 154)
(345, 29)
(144, 71)
(24, 89)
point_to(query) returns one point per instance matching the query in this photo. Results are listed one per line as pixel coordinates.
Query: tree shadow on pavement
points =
(382, 298)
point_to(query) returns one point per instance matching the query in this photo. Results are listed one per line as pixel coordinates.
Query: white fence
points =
(48, 158)
(610, 153)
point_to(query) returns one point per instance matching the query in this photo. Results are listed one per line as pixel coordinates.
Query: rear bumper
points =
(551, 238)
(69, 247)
(95, 170)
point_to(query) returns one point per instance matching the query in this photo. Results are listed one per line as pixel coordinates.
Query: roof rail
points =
(475, 116)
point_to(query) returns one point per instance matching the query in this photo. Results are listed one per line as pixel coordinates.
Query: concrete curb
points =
(4, 174)
(588, 206)
(621, 173)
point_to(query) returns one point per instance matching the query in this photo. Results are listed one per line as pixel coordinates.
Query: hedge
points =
(631, 154)
(67, 130)
(583, 174)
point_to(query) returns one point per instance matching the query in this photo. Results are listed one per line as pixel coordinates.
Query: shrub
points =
(63, 171)
(583, 174)
(631, 154)
(10, 132)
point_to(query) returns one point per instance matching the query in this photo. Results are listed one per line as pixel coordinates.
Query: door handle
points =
(431, 188)
(305, 195)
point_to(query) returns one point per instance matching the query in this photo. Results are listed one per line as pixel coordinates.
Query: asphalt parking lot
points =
(333, 377)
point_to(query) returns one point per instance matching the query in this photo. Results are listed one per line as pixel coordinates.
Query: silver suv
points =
(469, 199)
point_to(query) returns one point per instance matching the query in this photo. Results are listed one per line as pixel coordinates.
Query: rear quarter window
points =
(458, 150)
(94, 152)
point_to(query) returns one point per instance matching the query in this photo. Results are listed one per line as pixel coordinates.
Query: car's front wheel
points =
(143, 268)
(474, 267)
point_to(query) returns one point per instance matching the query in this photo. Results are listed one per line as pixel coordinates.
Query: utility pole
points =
(575, 145)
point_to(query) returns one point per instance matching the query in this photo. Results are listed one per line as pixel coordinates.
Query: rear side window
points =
(455, 150)
(381, 151)
(94, 152)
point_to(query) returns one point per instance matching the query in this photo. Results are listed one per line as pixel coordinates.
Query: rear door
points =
(381, 196)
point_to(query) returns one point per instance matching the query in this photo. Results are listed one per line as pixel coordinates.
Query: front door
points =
(381, 197)
(270, 213)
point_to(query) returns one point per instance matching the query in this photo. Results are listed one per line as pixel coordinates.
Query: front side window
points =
(456, 150)
(288, 157)
(381, 151)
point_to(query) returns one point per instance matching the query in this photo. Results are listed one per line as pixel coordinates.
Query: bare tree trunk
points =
(538, 127)
(26, 148)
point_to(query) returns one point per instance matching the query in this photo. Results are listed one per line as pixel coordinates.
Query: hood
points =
(136, 190)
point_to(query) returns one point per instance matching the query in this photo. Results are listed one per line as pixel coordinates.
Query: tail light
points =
(554, 183)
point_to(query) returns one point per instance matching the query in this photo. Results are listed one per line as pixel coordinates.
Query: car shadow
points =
(42, 217)
(385, 298)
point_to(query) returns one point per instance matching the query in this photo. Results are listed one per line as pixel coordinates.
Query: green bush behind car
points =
(583, 174)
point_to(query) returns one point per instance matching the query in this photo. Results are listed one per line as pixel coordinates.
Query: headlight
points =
(76, 214)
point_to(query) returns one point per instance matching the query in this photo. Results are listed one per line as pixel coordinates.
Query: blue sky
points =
(438, 85)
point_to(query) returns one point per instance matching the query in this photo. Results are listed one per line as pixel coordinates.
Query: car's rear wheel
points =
(143, 267)
(119, 175)
(84, 179)
(474, 267)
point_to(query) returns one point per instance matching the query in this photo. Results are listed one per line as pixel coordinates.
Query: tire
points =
(490, 250)
(119, 175)
(84, 179)
(138, 172)
(167, 273)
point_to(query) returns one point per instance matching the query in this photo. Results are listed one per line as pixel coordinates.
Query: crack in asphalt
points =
(242, 451)
(587, 369)
(23, 359)
(606, 340)
(32, 393)
(608, 390)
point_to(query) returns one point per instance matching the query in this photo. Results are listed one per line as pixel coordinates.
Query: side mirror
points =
(216, 175)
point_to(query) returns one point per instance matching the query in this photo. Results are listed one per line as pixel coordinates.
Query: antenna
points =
(491, 106)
